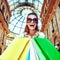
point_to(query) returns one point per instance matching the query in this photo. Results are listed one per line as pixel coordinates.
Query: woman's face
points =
(32, 22)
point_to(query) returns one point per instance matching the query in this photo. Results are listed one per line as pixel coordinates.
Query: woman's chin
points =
(32, 28)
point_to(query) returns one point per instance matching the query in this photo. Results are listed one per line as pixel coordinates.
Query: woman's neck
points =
(32, 32)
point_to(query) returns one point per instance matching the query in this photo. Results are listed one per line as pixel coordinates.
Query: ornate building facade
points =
(5, 15)
(50, 16)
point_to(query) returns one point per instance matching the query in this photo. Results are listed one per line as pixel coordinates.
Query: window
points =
(3, 8)
(47, 33)
(52, 26)
(59, 5)
(55, 40)
(56, 23)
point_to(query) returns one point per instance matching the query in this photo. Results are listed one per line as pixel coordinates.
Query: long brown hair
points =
(27, 28)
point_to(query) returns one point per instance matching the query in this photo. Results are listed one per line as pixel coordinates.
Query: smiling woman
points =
(31, 28)
(19, 10)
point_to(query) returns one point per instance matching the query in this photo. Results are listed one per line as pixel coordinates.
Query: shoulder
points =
(41, 34)
(23, 35)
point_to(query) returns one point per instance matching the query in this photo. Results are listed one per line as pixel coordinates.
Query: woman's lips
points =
(32, 25)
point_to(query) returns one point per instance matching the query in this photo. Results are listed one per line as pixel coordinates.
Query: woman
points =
(31, 28)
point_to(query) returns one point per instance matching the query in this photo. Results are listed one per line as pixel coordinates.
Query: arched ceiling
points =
(19, 10)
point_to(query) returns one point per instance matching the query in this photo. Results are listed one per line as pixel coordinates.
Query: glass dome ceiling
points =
(19, 10)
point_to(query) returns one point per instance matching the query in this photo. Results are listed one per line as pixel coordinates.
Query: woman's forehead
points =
(32, 16)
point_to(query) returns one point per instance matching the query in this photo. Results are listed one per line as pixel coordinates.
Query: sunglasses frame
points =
(35, 20)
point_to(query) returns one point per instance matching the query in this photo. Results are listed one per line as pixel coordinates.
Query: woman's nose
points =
(32, 21)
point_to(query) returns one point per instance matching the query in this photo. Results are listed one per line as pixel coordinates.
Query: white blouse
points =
(33, 55)
(38, 34)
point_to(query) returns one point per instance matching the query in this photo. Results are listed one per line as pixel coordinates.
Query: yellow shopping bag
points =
(18, 48)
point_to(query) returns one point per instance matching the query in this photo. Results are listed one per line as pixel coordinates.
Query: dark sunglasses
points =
(35, 20)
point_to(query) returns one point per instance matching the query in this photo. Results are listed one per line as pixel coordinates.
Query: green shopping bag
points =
(46, 48)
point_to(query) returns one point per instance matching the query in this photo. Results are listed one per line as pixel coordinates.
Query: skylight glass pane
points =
(11, 27)
(8, 0)
(22, 30)
(41, 1)
(39, 24)
(12, 18)
(19, 24)
(11, 2)
(12, 7)
(39, 7)
(16, 30)
(24, 24)
(18, 18)
(22, 0)
(30, 1)
(22, 19)
(17, 15)
(15, 0)
(14, 21)
(36, 4)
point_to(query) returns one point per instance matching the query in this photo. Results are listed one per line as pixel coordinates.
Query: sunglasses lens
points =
(35, 20)
(29, 19)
